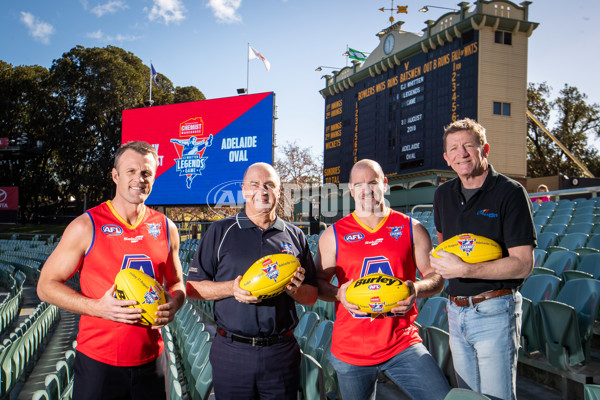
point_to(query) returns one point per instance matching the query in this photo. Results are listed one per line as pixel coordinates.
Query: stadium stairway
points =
(59, 342)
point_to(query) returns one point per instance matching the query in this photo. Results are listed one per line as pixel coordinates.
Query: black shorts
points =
(96, 380)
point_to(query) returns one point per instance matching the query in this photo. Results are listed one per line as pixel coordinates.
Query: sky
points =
(204, 43)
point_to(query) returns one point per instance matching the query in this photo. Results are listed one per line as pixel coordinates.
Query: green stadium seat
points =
(198, 366)
(300, 310)
(546, 239)
(565, 204)
(567, 323)
(559, 229)
(52, 386)
(591, 392)
(203, 384)
(176, 391)
(573, 241)
(434, 313)
(312, 380)
(540, 287)
(582, 227)
(305, 327)
(584, 251)
(539, 256)
(541, 219)
(563, 211)
(40, 395)
(594, 242)
(320, 340)
(590, 264)
(582, 218)
(561, 219)
(193, 349)
(465, 394)
(561, 261)
(438, 344)
(544, 212)
(574, 274)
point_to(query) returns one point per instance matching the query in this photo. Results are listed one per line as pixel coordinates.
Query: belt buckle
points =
(255, 342)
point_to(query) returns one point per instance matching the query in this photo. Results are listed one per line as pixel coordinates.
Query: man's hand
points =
(341, 297)
(165, 312)
(448, 265)
(405, 305)
(113, 309)
(296, 282)
(241, 295)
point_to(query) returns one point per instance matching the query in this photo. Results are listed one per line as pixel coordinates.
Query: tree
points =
(298, 165)
(576, 123)
(75, 109)
(298, 170)
(188, 93)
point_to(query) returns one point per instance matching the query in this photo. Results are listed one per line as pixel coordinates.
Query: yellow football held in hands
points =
(132, 284)
(377, 293)
(269, 276)
(471, 248)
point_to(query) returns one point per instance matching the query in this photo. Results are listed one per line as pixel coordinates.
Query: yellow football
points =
(471, 248)
(377, 293)
(132, 284)
(269, 276)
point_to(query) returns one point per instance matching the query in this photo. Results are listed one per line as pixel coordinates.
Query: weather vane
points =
(398, 9)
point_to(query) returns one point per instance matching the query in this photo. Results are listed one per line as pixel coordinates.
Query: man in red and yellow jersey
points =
(116, 356)
(377, 239)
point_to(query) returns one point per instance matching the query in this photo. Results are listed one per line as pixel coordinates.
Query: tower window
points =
(503, 37)
(501, 108)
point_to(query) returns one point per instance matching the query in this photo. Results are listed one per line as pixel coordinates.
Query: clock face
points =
(388, 44)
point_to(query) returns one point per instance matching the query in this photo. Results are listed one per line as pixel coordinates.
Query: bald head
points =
(262, 167)
(369, 165)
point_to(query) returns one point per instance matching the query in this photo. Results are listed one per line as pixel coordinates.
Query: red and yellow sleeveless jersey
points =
(118, 245)
(388, 249)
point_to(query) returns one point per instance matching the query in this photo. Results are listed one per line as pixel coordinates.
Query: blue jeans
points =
(413, 370)
(484, 340)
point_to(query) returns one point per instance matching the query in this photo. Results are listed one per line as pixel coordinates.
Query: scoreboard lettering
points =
(397, 118)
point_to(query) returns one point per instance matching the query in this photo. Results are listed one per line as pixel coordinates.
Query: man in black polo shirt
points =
(484, 311)
(254, 354)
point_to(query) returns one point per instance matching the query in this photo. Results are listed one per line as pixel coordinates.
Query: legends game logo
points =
(191, 162)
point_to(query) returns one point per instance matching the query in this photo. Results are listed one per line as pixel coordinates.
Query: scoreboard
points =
(397, 118)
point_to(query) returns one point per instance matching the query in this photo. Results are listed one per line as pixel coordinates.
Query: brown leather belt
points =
(462, 301)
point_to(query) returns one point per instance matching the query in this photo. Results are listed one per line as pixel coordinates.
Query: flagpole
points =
(150, 101)
(248, 69)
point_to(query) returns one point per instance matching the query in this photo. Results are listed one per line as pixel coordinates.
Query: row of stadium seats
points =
(565, 263)
(188, 344)
(11, 304)
(59, 384)
(23, 345)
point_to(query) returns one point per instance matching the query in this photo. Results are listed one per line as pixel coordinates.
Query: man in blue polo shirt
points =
(484, 309)
(254, 354)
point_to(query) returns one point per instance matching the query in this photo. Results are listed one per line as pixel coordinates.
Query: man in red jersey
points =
(117, 358)
(374, 239)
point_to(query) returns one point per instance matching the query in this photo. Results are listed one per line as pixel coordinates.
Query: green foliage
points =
(188, 93)
(576, 123)
(75, 108)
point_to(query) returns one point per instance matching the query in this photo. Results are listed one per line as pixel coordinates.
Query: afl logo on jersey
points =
(354, 237)
(112, 230)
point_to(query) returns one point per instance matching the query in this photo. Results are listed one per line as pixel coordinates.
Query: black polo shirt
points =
(500, 210)
(228, 248)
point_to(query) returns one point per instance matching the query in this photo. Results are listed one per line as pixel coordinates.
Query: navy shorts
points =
(241, 371)
(96, 380)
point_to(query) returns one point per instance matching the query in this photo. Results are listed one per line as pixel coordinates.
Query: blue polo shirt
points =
(228, 248)
(500, 210)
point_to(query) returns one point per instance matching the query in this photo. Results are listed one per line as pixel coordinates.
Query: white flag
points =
(253, 54)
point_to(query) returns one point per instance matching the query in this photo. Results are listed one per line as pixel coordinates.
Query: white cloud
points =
(40, 30)
(167, 10)
(109, 8)
(118, 38)
(226, 10)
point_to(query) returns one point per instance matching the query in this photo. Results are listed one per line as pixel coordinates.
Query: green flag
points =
(356, 55)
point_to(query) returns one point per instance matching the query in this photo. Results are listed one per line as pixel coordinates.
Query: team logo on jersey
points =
(354, 237)
(396, 231)
(486, 213)
(154, 229)
(151, 296)
(272, 271)
(374, 242)
(467, 245)
(286, 248)
(191, 161)
(111, 230)
(138, 261)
